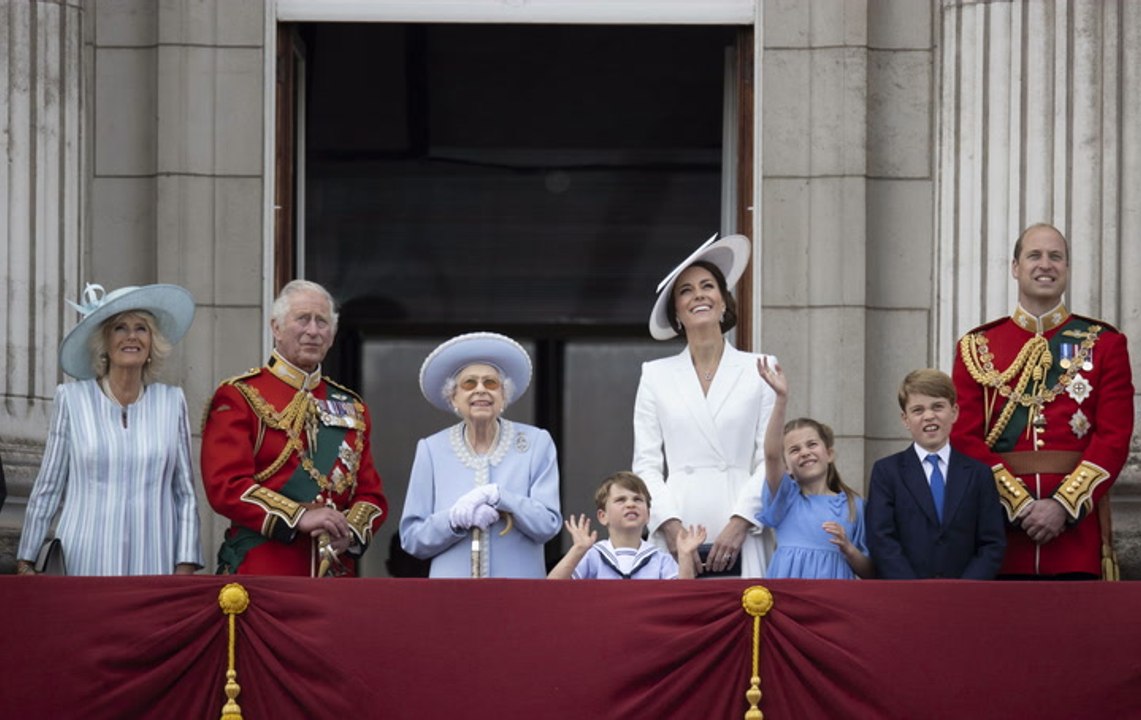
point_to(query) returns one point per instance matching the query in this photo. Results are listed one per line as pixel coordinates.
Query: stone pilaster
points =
(208, 203)
(813, 198)
(42, 191)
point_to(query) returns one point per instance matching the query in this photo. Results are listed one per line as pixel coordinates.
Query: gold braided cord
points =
(233, 599)
(757, 601)
(1032, 364)
(300, 414)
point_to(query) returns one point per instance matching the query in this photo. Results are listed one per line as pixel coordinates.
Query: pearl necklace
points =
(105, 384)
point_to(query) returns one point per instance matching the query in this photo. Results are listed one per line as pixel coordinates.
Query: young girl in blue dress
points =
(819, 520)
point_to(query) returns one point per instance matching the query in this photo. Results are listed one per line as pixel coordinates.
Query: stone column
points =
(208, 203)
(1040, 121)
(813, 210)
(42, 190)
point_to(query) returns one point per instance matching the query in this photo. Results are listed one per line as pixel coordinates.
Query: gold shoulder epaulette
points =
(342, 387)
(988, 325)
(1103, 325)
(209, 407)
(248, 374)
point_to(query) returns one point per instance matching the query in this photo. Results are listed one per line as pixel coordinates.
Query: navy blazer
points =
(905, 538)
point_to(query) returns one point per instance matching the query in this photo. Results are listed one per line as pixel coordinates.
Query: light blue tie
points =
(937, 485)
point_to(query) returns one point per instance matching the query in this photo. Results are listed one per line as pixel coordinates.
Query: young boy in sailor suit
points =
(623, 503)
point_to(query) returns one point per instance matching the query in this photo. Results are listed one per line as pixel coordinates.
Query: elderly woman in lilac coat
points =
(483, 497)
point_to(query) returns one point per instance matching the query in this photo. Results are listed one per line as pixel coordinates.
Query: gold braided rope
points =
(299, 414)
(757, 601)
(1032, 363)
(233, 599)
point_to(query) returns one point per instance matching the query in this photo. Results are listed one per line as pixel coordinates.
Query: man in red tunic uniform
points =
(286, 454)
(1046, 399)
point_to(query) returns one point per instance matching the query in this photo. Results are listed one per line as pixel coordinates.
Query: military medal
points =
(340, 411)
(1088, 364)
(1079, 424)
(1067, 352)
(1079, 388)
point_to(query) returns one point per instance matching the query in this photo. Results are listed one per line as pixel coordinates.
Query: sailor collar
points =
(1053, 319)
(292, 375)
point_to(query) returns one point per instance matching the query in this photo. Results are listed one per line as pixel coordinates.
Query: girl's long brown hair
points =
(835, 484)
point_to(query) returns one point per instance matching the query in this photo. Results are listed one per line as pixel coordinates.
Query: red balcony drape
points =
(505, 649)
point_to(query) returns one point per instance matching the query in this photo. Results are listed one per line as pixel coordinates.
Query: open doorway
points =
(532, 180)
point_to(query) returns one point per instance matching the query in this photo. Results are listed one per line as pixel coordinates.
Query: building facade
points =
(893, 149)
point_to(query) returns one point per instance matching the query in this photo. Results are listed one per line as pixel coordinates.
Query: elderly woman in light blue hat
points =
(483, 497)
(118, 451)
(700, 417)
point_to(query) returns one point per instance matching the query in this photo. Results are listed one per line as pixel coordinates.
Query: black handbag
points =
(733, 570)
(50, 560)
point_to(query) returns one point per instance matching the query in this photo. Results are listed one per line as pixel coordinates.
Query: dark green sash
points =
(300, 487)
(1008, 440)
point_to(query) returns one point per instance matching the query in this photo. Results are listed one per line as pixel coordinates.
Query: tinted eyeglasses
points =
(489, 383)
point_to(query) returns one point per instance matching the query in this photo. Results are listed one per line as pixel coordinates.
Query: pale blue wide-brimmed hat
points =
(730, 254)
(454, 355)
(171, 305)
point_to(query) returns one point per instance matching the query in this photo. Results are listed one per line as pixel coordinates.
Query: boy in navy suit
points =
(933, 512)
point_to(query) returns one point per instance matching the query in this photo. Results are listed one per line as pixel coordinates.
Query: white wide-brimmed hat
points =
(730, 254)
(454, 355)
(172, 307)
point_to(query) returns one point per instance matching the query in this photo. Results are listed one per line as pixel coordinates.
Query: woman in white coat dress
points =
(700, 417)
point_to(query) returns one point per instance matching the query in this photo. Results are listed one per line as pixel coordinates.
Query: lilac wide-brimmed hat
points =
(730, 254)
(171, 305)
(454, 355)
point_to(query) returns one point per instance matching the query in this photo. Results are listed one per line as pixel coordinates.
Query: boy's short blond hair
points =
(623, 479)
(930, 382)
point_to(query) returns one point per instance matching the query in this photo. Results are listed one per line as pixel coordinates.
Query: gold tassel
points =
(1110, 570)
(757, 601)
(233, 600)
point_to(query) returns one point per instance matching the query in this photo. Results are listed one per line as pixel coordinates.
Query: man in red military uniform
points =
(1046, 399)
(286, 454)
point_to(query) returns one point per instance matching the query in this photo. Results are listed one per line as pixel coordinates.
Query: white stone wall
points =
(135, 155)
(847, 230)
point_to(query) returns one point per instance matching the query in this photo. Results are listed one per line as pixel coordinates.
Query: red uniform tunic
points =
(1048, 404)
(275, 443)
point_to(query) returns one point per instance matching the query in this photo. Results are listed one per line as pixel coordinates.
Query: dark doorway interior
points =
(532, 180)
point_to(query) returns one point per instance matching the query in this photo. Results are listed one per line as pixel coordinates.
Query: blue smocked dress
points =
(804, 549)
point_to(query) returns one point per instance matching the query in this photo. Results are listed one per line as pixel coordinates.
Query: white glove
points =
(490, 493)
(484, 516)
(461, 516)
